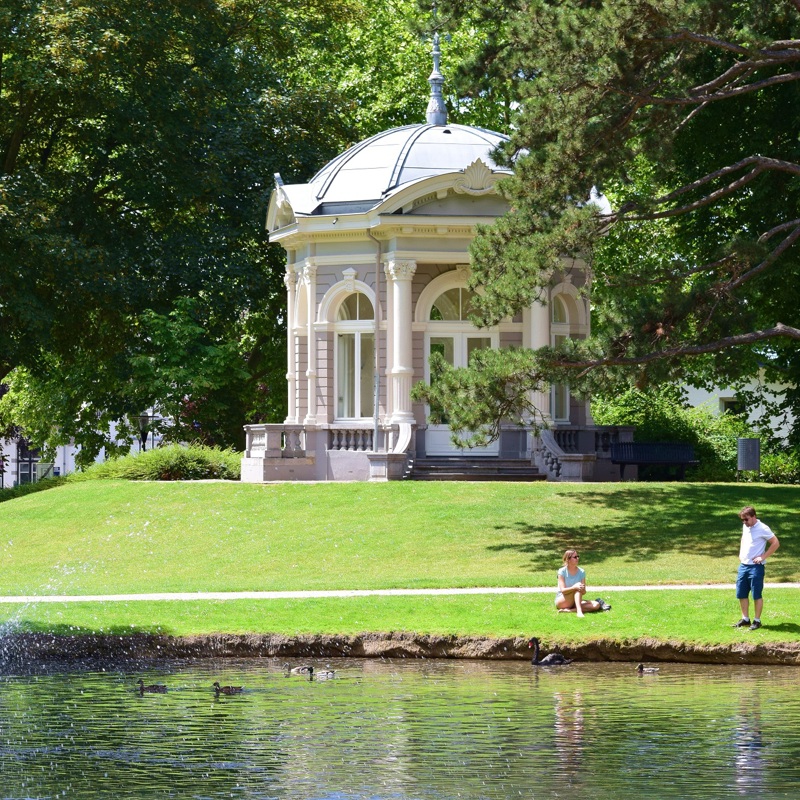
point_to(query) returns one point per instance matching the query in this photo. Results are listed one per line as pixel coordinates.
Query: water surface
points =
(402, 730)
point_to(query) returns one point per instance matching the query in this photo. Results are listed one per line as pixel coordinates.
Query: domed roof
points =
(376, 167)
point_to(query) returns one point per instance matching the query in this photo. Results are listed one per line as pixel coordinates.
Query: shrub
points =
(776, 467)
(29, 488)
(171, 463)
(663, 415)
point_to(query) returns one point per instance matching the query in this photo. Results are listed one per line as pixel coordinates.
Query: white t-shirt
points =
(754, 541)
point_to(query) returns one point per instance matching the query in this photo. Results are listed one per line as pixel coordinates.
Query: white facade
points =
(377, 270)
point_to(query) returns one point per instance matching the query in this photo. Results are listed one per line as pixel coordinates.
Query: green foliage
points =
(137, 145)
(24, 489)
(663, 415)
(171, 463)
(678, 110)
(782, 466)
(496, 386)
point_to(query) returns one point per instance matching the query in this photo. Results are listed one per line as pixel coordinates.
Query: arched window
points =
(355, 357)
(355, 306)
(452, 305)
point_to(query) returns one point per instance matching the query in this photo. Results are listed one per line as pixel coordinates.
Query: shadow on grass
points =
(651, 519)
(783, 627)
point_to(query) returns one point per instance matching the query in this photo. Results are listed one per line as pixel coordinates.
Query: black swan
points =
(551, 660)
(226, 689)
(153, 688)
(641, 668)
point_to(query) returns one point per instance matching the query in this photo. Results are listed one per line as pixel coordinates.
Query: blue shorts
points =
(750, 579)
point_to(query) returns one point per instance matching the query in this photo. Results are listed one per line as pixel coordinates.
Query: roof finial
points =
(437, 111)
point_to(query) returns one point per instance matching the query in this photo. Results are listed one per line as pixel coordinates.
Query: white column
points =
(388, 340)
(290, 279)
(540, 337)
(401, 273)
(310, 279)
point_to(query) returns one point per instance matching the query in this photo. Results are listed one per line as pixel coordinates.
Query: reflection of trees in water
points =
(569, 729)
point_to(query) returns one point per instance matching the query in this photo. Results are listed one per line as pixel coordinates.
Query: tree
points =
(685, 112)
(137, 146)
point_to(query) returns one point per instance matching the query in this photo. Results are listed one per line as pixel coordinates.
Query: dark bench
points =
(643, 454)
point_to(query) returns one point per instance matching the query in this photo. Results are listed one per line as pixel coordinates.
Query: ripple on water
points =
(402, 730)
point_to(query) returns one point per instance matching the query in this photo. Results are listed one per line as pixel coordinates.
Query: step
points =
(455, 468)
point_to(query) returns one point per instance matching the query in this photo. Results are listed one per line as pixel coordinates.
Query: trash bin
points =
(748, 454)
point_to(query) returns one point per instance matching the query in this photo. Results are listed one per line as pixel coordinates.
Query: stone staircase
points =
(473, 468)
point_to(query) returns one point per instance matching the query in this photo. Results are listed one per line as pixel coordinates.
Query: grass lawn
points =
(696, 617)
(101, 537)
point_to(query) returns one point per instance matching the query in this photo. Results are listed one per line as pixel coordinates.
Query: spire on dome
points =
(437, 111)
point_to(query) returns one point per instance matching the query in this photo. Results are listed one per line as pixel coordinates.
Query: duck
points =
(153, 688)
(641, 669)
(551, 660)
(325, 674)
(289, 670)
(226, 689)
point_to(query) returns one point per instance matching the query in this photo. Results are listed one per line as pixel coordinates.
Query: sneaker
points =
(756, 625)
(742, 623)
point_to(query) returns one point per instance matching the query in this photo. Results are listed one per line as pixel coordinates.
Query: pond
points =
(401, 730)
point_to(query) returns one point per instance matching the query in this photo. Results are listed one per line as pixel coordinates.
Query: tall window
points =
(559, 318)
(355, 357)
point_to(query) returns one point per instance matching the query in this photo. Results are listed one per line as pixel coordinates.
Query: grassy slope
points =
(114, 537)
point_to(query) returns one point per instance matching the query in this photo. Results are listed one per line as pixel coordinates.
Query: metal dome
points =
(370, 171)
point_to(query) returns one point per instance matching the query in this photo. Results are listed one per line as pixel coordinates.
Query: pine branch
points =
(761, 163)
(779, 331)
(768, 261)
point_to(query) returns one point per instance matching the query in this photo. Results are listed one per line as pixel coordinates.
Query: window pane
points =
(365, 310)
(367, 374)
(354, 307)
(558, 310)
(560, 402)
(477, 343)
(448, 305)
(349, 307)
(466, 303)
(444, 346)
(345, 375)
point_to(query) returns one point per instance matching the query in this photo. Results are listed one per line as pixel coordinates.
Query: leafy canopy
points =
(684, 112)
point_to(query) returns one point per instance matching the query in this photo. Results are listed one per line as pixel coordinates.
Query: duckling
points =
(226, 689)
(153, 688)
(641, 669)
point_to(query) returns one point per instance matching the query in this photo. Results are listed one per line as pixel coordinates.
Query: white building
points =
(377, 266)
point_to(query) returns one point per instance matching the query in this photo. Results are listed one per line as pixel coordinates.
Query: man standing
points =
(758, 544)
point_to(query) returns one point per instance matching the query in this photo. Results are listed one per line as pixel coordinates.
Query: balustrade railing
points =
(290, 441)
(353, 439)
(276, 441)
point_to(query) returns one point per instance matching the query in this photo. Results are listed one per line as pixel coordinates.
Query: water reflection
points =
(401, 730)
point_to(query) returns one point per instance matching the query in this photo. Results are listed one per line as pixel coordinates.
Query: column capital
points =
(401, 269)
(310, 270)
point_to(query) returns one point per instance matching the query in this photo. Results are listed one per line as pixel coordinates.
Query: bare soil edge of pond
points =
(26, 648)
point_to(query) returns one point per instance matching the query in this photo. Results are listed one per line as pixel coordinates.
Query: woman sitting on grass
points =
(572, 587)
